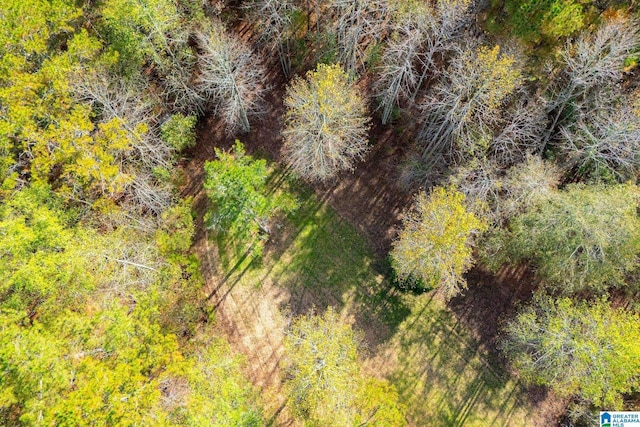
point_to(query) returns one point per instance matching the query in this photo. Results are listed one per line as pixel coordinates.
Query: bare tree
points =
(522, 132)
(325, 124)
(464, 108)
(420, 32)
(124, 264)
(605, 144)
(498, 195)
(527, 183)
(398, 73)
(357, 24)
(119, 102)
(230, 76)
(593, 65)
(178, 83)
(480, 182)
(443, 24)
(273, 19)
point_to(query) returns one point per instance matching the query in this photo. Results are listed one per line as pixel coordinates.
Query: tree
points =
(594, 63)
(117, 367)
(378, 404)
(178, 131)
(218, 394)
(275, 26)
(603, 145)
(132, 120)
(597, 59)
(398, 77)
(40, 47)
(324, 381)
(465, 107)
(157, 32)
(527, 184)
(581, 238)
(91, 304)
(84, 338)
(325, 124)
(357, 24)
(535, 21)
(522, 132)
(419, 33)
(43, 264)
(323, 369)
(498, 195)
(579, 348)
(243, 204)
(434, 245)
(481, 182)
(230, 77)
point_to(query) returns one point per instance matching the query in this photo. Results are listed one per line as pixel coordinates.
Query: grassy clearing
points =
(315, 259)
(443, 375)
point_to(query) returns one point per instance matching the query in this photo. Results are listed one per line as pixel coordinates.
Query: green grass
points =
(444, 376)
(319, 260)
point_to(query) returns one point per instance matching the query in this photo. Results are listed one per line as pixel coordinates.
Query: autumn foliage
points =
(325, 124)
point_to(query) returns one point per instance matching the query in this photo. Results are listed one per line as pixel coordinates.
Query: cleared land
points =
(443, 370)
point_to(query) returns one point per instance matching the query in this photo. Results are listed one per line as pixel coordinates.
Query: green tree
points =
(582, 238)
(323, 369)
(219, 395)
(43, 266)
(117, 367)
(155, 32)
(39, 50)
(142, 30)
(325, 383)
(179, 131)
(435, 244)
(54, 130)
(535, 21)
(325, 124)
(378, 404)
(243, 205)
(588, 349)
(87, 322)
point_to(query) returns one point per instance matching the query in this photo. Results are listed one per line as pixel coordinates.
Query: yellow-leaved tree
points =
(325, 382)
(435, 245)
(325, 124)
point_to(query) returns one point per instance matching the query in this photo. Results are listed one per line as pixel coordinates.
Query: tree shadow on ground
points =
(490, 300)
(320, 260)
(443, 362)
(446, 378)
(325, 262)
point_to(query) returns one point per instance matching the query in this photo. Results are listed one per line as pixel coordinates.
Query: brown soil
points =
(371, 199)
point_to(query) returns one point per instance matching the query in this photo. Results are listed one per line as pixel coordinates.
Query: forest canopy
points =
(393, 151)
